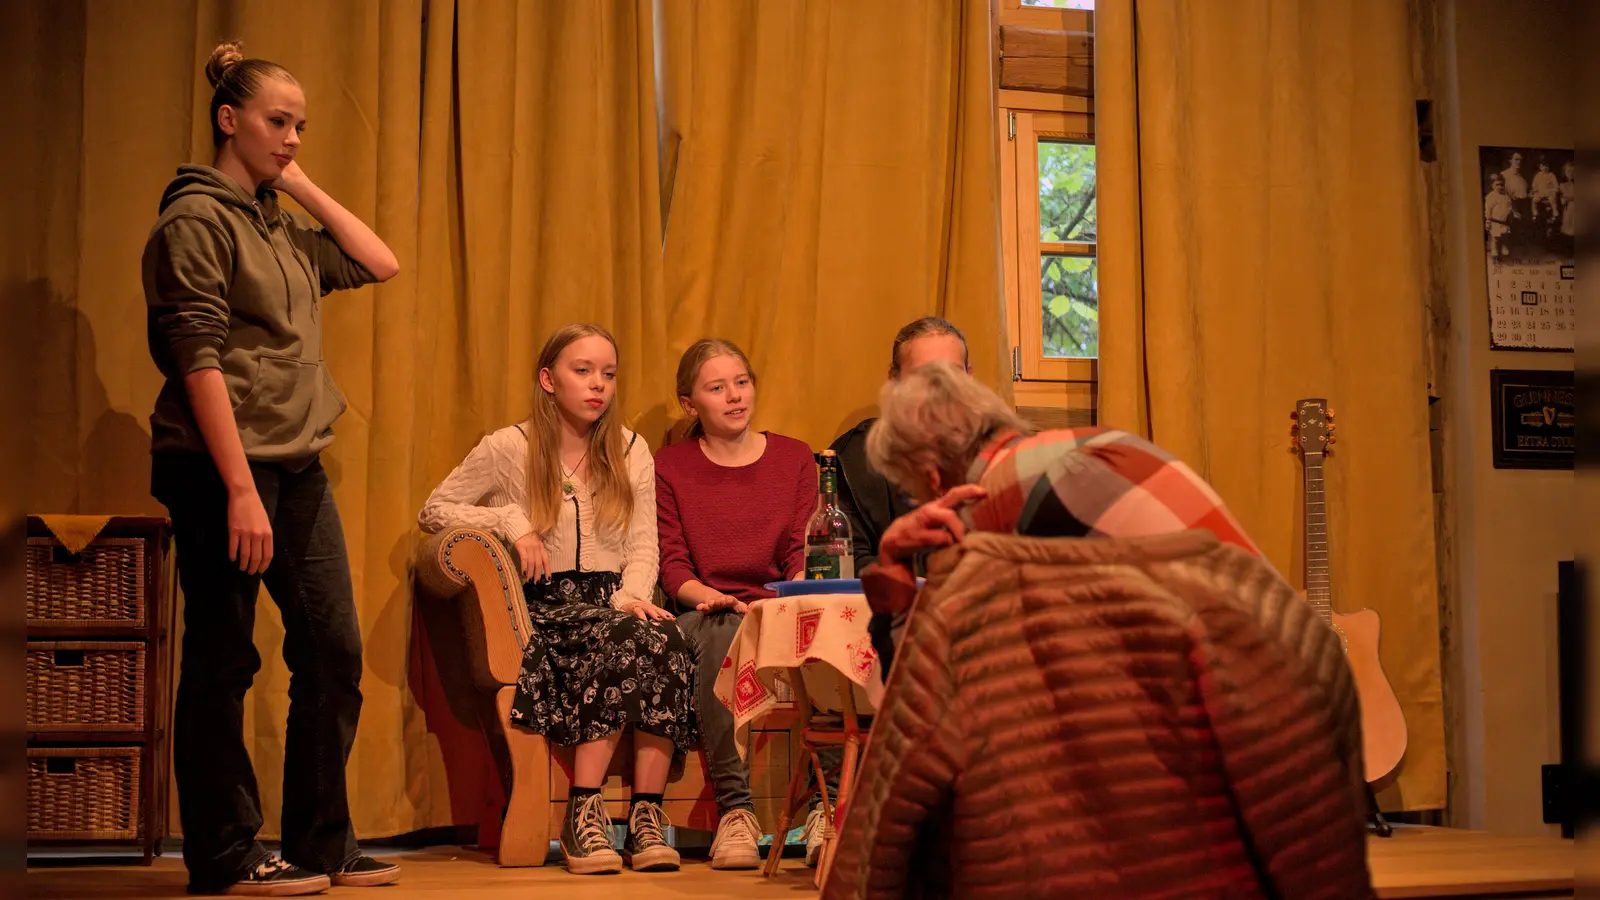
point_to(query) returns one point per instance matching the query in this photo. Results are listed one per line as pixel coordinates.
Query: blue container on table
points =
(818, 586)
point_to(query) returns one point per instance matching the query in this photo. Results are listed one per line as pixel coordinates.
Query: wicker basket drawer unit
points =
(83, 686)
(85, 793)
(96, 675)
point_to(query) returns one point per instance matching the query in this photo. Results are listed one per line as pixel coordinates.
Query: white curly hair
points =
(935, 417)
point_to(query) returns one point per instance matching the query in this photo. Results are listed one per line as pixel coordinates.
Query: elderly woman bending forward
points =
(971, 463)
(1146, 709)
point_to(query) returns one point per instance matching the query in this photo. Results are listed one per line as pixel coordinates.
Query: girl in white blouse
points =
(603, 656)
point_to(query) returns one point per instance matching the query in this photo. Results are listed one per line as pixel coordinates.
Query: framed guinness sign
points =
(1534, 419)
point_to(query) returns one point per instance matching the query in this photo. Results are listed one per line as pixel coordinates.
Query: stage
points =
(1416, 862)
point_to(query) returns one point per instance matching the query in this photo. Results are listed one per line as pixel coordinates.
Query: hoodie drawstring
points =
(288, 292)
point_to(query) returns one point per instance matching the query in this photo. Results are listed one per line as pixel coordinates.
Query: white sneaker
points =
(816, 824)
(736, 843)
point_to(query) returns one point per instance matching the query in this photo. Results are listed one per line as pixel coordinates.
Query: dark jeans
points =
(309, 580)
(709, 637)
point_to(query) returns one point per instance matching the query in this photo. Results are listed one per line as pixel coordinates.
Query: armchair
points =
(478, 574)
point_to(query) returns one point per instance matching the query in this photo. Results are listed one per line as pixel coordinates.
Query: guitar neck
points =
(1319, 591)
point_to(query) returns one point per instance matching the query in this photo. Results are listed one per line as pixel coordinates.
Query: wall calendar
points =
(1530, 223)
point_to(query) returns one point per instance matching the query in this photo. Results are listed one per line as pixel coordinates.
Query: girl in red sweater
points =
(731, 509)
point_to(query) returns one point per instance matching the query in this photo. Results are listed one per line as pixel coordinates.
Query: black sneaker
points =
(364, 871)
(586, 837)
(647, 849)
(272, 877)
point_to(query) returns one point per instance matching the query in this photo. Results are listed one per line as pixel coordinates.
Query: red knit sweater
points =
(733, 529)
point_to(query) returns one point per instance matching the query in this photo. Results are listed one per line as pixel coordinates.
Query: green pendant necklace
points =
(568, 486)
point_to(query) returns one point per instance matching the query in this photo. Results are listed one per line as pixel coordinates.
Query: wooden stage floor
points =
(1416, 862)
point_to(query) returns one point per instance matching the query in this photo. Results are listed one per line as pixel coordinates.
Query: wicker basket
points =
(102, 586)
(86, 686)
(84, 794)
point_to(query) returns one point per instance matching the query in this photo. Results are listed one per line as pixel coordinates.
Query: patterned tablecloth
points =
(819, 634)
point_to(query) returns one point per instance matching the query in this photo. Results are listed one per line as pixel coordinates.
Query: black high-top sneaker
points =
(272, 877)
(647, 849)
(586, 837)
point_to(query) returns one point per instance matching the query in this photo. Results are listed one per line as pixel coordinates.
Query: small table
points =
(819, 645)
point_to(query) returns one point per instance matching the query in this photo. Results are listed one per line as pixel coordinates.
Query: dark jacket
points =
(864, 495)
(871, 503)
(234, 282)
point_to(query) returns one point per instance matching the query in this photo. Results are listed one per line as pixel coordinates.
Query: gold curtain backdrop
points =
(801, 176)
(1260, 243)
(832, 174)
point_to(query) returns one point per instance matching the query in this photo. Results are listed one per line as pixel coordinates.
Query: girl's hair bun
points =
(227, 55)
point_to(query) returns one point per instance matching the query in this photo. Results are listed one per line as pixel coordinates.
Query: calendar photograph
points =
(1530, 226)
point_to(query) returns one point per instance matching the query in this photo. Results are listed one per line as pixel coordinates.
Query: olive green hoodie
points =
(233, 282)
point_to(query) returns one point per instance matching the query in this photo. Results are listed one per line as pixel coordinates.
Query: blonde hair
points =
(608, 452)
(935, 415)
(698, 354)
(235, 78)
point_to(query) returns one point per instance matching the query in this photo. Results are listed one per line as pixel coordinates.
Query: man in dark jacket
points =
(864, 495)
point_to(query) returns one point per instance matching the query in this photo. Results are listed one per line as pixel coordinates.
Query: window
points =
(1048, 177)
(1052, 288)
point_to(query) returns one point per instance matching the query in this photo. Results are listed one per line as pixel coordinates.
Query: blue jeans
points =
(309, 580)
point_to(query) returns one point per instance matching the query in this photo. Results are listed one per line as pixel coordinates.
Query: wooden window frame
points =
(1023, 128)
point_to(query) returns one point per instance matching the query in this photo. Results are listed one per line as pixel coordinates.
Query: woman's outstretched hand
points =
(647, 611)
(929, 526)
(724, 601)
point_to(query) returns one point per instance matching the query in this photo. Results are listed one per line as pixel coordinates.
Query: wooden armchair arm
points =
(473, 567)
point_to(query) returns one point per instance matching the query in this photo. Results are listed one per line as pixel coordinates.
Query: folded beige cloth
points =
(75, 532)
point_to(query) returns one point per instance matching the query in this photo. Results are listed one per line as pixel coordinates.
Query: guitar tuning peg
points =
(1295, 415)
(1332, 426)
(1332, 440)
(1330, 412)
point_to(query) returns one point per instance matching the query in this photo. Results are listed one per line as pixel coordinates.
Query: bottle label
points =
(821, 564)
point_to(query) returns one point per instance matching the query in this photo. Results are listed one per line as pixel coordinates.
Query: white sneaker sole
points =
(300, 887)
(737, 859)
(606, 863)
(656, 859)
(367, 879)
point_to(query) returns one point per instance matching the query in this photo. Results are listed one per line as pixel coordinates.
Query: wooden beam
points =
(1056, 76)
(1044, 102)
(1037, 59)
(1018, 41)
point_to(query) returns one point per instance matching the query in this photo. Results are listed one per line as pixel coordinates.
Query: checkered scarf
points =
(1093, 482)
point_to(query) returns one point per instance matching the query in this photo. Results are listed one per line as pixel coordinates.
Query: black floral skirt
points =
(590, 669)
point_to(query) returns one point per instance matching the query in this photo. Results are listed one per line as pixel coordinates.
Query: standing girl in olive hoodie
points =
(233, 285)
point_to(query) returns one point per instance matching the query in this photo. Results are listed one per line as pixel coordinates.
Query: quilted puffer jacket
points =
(1151, 717)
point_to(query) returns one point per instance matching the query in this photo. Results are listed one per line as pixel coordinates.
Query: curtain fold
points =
(1260, 244)
(833, 175)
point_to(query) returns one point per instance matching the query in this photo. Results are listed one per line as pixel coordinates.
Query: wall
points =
(1513, 66)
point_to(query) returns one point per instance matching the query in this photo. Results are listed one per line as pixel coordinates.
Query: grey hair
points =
(935, 415)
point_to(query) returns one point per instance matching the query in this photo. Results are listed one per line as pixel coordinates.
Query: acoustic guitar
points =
(1383, 726)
